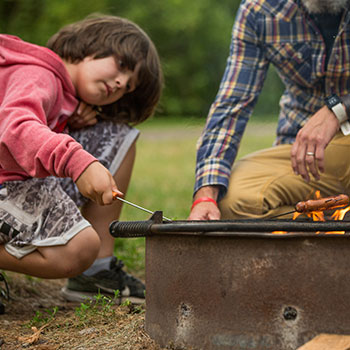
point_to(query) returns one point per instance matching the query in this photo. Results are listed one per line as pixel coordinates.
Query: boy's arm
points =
(28, 146)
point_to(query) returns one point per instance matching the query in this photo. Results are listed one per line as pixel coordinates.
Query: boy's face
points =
(102, 81)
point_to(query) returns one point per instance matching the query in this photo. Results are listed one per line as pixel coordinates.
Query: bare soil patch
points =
(37, 317)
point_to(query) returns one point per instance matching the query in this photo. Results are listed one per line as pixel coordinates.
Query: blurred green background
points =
(192, 38)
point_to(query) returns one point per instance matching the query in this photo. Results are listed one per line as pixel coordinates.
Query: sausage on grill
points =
(322, 204)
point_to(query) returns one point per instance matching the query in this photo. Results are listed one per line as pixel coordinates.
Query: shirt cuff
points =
(78, 163)
(213, 173)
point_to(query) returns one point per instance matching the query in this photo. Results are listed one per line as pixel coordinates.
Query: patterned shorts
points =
(45, 212)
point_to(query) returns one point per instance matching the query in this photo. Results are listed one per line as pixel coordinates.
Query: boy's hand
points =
(97, 184)
(83, 116)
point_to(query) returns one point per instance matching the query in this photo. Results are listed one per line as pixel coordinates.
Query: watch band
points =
(345, 128)
(335, 104)
(346, 102)
(340, 113)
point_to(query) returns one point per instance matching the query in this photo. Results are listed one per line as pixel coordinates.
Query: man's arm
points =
(240, 86)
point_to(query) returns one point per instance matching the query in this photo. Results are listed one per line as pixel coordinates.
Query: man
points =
(308, 42)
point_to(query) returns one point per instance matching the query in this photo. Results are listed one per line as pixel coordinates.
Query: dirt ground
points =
(37, 317)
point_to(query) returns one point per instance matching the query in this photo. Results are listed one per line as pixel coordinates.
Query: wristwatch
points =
(334, 103)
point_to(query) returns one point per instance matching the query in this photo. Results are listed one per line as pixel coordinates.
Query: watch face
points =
(332, 101)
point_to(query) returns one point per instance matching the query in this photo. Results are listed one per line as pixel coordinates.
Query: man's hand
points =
(83, 116)
(307, 153)
(97, 184)
(206, 210)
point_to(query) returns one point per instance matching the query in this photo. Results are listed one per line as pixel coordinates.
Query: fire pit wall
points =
(262, 292)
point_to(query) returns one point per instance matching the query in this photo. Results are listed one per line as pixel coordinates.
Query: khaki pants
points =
(263, 183)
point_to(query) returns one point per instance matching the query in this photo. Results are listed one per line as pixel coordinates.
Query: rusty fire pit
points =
(235, 285)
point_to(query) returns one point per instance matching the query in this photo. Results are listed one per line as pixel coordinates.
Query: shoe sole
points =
(81, 297)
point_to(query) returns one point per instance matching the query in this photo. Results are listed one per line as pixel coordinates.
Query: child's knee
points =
(81, 252)
(88, 249)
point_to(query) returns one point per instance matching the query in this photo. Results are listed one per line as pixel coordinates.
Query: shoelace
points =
(118, 268)
(5, 293)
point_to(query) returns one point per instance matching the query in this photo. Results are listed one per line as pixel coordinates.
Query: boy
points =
(95, 77)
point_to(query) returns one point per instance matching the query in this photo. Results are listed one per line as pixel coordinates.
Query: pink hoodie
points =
(36, 96)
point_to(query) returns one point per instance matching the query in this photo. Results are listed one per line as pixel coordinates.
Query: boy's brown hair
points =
(101, 36)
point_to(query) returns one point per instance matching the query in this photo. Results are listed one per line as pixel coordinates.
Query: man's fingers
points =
(298, 160)
(319, 155)
(293, 154)
(312, 164)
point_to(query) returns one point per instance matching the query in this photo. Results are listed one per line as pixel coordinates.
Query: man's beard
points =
(325, 6)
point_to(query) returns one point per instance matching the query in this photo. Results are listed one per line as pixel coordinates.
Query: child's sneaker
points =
(106, 282)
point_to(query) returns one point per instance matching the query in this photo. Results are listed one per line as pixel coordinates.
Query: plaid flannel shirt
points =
(282, 33)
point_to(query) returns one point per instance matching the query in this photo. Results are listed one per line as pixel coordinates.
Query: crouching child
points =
(67, 142)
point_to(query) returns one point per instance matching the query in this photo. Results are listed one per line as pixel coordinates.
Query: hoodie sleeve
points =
(27, 144)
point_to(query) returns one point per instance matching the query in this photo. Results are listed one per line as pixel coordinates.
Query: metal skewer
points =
(288, 212)
(115, 196)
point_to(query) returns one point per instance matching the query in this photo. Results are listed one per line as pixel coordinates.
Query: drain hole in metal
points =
(290, 313)
(185, 310)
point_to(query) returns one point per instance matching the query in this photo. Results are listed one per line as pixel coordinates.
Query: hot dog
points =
(321, 204)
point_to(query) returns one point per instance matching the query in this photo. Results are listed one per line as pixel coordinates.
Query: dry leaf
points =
(32, 339)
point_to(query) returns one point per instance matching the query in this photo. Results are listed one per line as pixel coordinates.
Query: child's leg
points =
(114, 146)
(101, 216)
(57, 261)
(42, 232)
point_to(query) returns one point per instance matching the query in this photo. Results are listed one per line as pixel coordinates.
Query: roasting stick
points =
(115, 196)
(320, 204)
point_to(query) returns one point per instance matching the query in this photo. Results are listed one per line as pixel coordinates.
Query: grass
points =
(163, 176)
